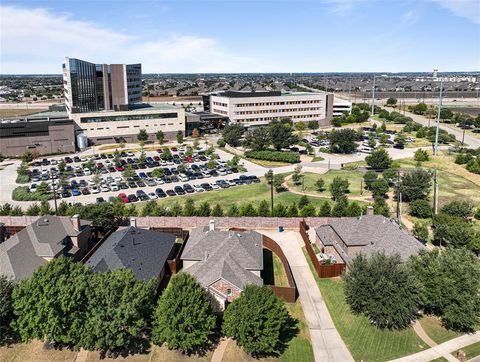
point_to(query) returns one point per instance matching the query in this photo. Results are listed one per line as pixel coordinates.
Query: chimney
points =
(76, 222)
(133, 222)
(369, 210)
(211, 225)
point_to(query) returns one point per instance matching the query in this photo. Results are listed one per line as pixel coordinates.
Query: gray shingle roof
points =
(143, 251)
(225, 254)
(372, 233)
(30, 248)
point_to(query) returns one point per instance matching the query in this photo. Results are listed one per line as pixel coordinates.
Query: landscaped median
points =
(276, 156)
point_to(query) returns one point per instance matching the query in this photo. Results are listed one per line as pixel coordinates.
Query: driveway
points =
(326, 341)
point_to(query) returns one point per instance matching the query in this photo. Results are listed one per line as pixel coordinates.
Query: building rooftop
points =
(249, 94)
(40, 241)
(143, 251)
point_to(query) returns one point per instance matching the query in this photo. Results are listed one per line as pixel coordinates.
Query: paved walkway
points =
(81, 356)
(220, 350)
(442, 350)
(326, 341)
(417, 327)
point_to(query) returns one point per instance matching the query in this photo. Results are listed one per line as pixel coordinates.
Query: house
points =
(224, 262)
(47, 238)
(346, 237)
(144, 251)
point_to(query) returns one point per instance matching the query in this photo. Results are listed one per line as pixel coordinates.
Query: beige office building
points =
(260, 108)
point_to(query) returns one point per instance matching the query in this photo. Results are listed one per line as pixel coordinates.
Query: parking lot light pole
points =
(54, 195)
(438, 118)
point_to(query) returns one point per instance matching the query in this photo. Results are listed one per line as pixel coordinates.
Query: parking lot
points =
(102, 177)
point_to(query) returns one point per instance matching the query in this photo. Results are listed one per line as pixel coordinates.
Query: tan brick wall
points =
(222, 286)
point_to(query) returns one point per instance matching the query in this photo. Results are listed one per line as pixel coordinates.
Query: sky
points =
(244, 36)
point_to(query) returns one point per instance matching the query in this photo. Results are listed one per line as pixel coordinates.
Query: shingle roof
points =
(143, 251)
(225, 254)
(30, 248)
(373, 233)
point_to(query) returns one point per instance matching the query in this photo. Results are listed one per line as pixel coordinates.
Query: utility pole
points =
(350, 89)
(54, 195)
(325, 82)
(373, 96)
(438, 118)
(435, 192)
(270, 174)
(398, 196)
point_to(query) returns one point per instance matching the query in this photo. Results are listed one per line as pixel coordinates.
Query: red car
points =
(156, 158)
(123, 198)
(188, 159)
(159, 151)
(99, 165)
(119, 168)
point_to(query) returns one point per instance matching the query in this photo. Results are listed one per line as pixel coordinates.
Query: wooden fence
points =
(323, 270)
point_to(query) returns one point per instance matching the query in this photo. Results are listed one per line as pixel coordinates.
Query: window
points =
(229, 292)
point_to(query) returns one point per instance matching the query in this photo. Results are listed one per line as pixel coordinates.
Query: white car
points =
(104, 188)
(231, 183)
(87, 172)
(159, 181)
(33, 187)
(83, 159)
(130, 154)
(118, 179)
(113, 186)
(152, 196)
(222, 172)
(214, 186)
(53, 162)
(198, 188)
(94, 189)
(183, 178)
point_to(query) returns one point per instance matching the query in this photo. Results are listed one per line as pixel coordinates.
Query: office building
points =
(44, 133)
(260, 108)
(340, 106)
(90, 87)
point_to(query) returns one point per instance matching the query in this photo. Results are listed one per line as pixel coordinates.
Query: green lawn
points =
(439, 359)
(355, 178)
(299, 348)
(471, 351)
(239, 195)
(433, 327)
(365, 341)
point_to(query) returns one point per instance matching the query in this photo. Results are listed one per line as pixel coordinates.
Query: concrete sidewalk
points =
(326, 341)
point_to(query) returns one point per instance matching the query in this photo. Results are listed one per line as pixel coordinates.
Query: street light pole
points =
(438, 117)
(373, 96)
(54, 195)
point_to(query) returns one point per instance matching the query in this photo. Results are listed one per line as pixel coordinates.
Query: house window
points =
(229, 292)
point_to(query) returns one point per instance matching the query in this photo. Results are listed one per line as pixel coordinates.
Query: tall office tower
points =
(90, 87)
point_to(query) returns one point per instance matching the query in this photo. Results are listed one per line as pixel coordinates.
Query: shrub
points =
(420, 209)
(221, 142)
(379, 159)
(420, 231)
(278, 156)
(459, 208)
(421, 155)
(474, 165)
(22, 193)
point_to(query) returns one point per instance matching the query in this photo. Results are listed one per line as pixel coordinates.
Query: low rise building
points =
(340, 106)
(45, 133)
(144, 251)
(224, 262)
(344, 238)
(262, 107)
(45, 239)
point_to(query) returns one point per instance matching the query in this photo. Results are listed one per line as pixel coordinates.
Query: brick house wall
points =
(222, 287)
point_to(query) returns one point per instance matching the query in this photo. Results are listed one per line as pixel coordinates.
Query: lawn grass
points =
(15, 112)
(439, 359)
(433, 327)
(471, 351)
(354, 177)
(238, 195)
(364, 340)
(299, 348)
(156, 353)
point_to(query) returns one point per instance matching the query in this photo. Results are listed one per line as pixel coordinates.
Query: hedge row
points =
(290, 157)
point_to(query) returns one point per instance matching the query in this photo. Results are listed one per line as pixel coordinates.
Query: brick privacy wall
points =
(221, 286)
(190, 222)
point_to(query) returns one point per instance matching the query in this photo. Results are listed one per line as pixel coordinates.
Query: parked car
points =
(160, 193)
(123, 198)
(132, 198)
(171, 193)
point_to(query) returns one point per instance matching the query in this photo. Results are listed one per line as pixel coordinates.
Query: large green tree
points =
(451, 283)
(51, 304)
(339, 187)
(6, 309)
(258, 139)
(119, 310)
(415, 184)
(183, 318)
(384, 290)
(343, 141)
(455, 232)
(233, 133)
(142, 135)
(257, 321)
(379, 159)
(281, 134)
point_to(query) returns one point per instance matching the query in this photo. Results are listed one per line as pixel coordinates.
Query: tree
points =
(455, 232)
(354, 209)
(248, 210)
(420, 231)
(189, 208)
(160, 136)
(379, 188)
(217, 211)
(51, 304)
(421, 155)
(379, 159)
(380, 207)
(339, 187)
(296, 176)
(313, 125)
(128, 172)
(451, 281)
(142, 135)
(320, 184)
(446, 113)
(343, 141)
(27, 157)
(233, 211)
(257, 321)
(179, 137)
(183, 318)
(300, 126)
(258, 139)
(263, 208)
(420, 108)
(303, 201)
(459, 208)
(391, 101)
(400, 138)
(293, 210)
(384, 290)
(33, 210)
(204, 209)
(340, 207)
(281, 135)
(233, 133)
(158, 172)
(325, 209)
(415, 184)
(119, 310)
(369, 177)
(420, 208)
(6, 309)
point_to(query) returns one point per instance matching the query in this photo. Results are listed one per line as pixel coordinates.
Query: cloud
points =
(410, 17)
(468, 9)
(37, 40)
